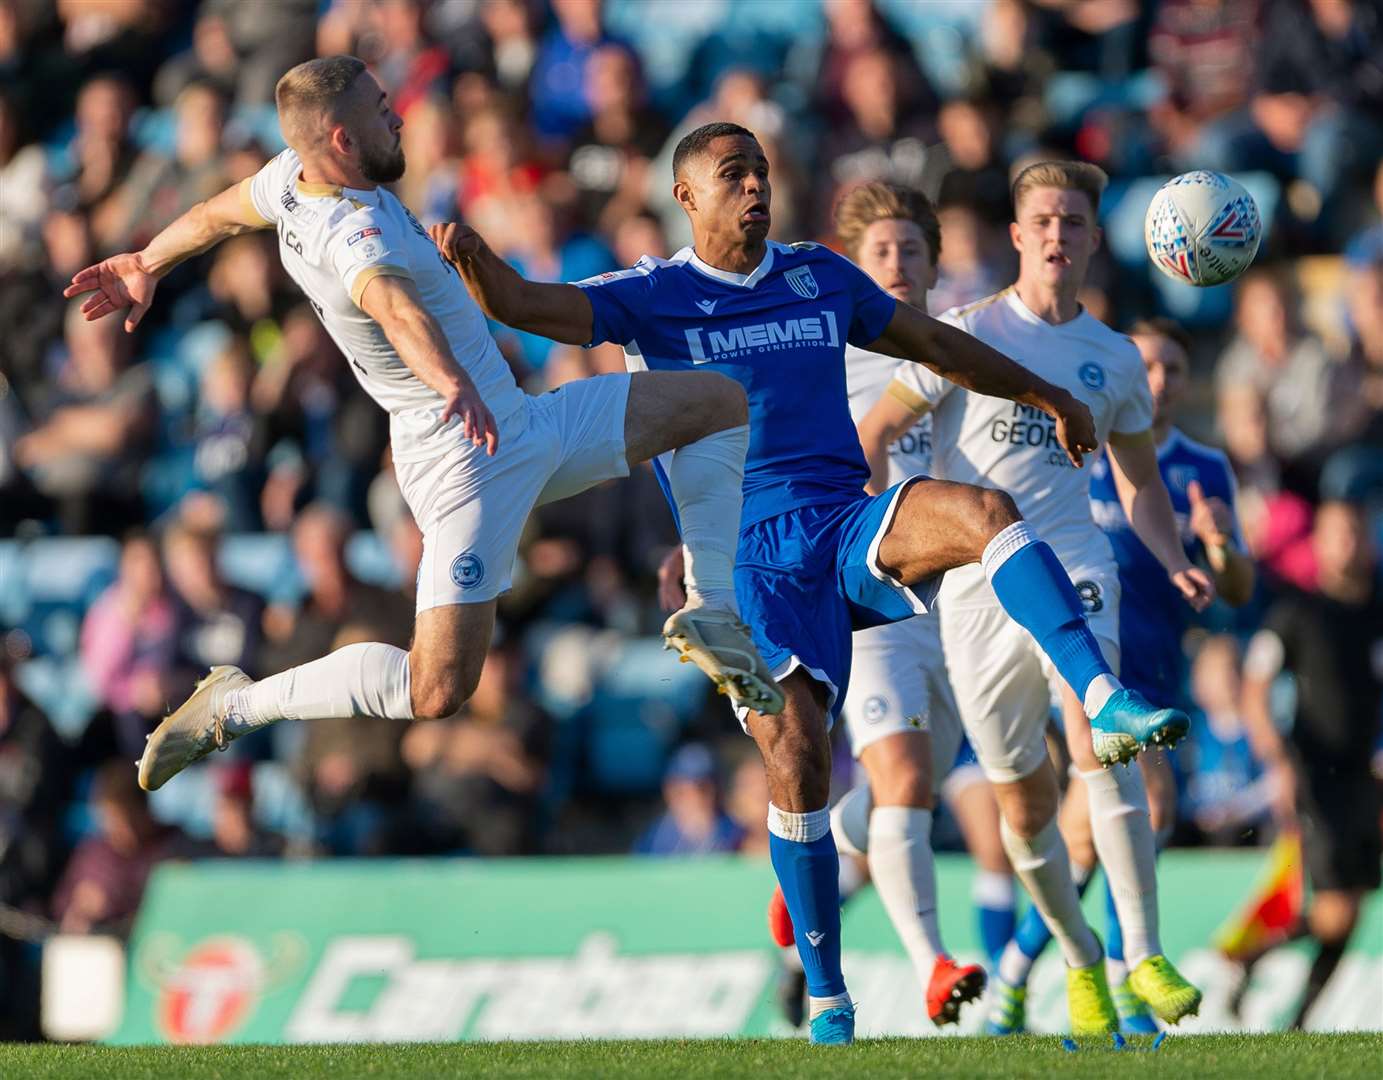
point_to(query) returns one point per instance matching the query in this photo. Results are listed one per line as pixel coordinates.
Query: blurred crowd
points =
(230, 418)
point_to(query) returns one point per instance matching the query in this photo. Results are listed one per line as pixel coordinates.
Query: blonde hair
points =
(1065, 175)
(313, 91)
(860, 207)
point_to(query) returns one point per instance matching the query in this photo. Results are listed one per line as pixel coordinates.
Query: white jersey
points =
(333, 241)
(867, 376)
(997, 443)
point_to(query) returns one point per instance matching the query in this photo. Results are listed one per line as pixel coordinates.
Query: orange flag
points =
(1273, 910)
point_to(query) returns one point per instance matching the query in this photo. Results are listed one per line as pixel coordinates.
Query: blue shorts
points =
(807, 579)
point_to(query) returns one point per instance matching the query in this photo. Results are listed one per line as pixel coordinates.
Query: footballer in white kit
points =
(473, 454)
(470, 506)
(1001, 675)
(1004, 683)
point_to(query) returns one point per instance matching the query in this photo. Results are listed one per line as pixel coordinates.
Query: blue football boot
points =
(1129, 723)
(834, 1027)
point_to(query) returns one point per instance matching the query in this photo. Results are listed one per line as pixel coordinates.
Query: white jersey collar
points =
(332, 191)
(744, 281)
(1028, 315)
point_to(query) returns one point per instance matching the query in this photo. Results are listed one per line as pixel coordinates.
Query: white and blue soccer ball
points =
(1202, 228)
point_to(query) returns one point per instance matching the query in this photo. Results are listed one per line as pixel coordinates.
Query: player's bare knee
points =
(796, 763)
(440, 696)
(904, 782)
(995, 511)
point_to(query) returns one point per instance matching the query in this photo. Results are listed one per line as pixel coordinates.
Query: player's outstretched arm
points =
(560, 312)
(130, 279)
(883, 425)
(393, 302)
(966, 361)
(1143, 494)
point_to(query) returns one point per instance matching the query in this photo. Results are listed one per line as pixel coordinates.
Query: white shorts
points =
(1003, 681)
(898, 683)
(472, 508)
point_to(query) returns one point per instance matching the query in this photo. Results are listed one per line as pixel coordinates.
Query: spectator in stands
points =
(353, 773)
(246, 290)
(1276, 359)
(1328, 639)
(1354, 472)
(23, 185)
(610, 158)
(428, 188)
(217, 623)
(1224, 796)
(639, 234)
(853, 28)
(102, 155)
(1367, 246)
(497, 166)
(694, 822)
(335, 600)
(505, 44)
(1010, 68)
(1204, 50)
(269, 39)
(101, 888)
(747, 803)
(35, 784)
(234, 834)
(976, 174)
(478, 778)
(212, 59)
(966, 271)
(228, 460)
(324, 435)
(557, 86)
(1318, 98)
(91, 428)
(408, 66)
(129, 644)
(161, 188)
(880, 138)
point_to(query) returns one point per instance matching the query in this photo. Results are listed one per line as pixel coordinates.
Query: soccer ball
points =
(1202, 228)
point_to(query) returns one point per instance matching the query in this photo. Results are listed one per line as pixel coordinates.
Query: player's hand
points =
(1195, 586)
(116, 283)
(456, 242)
(1075, 428)
(1211, 520)
(477, 422)
(670, 592)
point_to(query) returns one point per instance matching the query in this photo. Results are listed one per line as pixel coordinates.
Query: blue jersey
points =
(1153, 617)
(780, 332)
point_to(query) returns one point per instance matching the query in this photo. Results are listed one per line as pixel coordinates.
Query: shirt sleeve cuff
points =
(909, 397)
(247, 203)
(369, 274)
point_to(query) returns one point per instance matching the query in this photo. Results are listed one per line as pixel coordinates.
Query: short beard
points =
(382, 167)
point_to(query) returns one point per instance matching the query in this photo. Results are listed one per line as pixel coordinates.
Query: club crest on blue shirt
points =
(467, 571)
(1092, 375)
(802, 283)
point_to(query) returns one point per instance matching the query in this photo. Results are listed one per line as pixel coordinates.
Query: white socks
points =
(1043, 867)
(901, 864)
(364, 679)
(850, 820)
(707, 481)
(1100, 690)
(1128, 852)
(1014, 964)
(799, 828)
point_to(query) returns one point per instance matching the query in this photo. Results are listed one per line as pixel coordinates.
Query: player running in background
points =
(1003, 684)
(1153, 619)
(817, 558)
(899, 711)
(474, 453)
(1331, 641)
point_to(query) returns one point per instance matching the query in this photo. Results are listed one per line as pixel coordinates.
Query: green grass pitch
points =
(1180, 1058)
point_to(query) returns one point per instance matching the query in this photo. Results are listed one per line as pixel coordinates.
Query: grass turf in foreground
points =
(1278, 1056)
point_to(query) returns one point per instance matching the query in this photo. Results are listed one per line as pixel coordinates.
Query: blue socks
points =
(808, 868)
(1035, 591)
(1114, 934)
(997, 926)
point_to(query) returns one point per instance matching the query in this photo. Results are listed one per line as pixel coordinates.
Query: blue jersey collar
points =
(744, 281)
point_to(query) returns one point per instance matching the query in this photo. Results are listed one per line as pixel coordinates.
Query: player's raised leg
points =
(696, 424)
(432, 680)
(797, 759)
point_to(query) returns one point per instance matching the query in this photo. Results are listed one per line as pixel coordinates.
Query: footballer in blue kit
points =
(817, 557)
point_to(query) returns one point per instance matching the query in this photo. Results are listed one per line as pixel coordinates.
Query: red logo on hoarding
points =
(211, 991)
